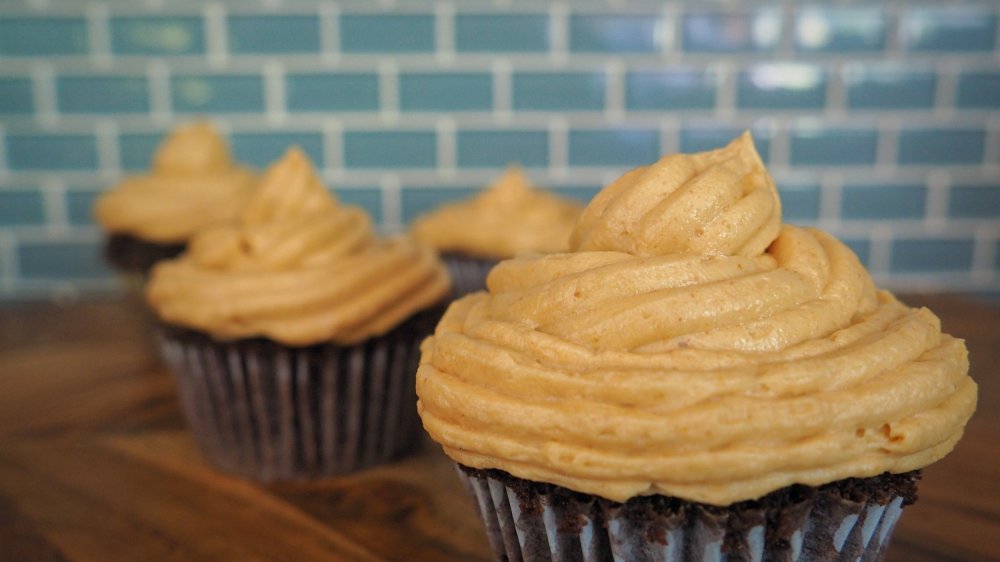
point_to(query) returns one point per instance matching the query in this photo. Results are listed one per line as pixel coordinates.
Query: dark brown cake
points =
(131, 254)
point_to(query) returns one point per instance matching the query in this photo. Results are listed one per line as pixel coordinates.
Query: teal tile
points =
(21, 208)
(51, 152)
(357, 91)
(218, 93)
(363, 33)
(951, 28)
(263, 149)
(581, 193)
(16, 96)
(501, 33)
(782, 86)
(697, 138)
(157, 35)
(80, 206)
(941, 146)
(273, 34)
(418, 200)
(826, 146)
(977, 90)
(42, 36)
(368, 198)
(136, 150)
(559, 91)
(102, 94)
(612, 33)
(830, 29)
(889, 89)
(799, 202)
(670, 90)
(931, 254)
(390, 149)
(62, 260)
(974, 201)
(873, 201)
(495, 149)
(732, 31)
(862, 247)
(616, 147)
(469, 91)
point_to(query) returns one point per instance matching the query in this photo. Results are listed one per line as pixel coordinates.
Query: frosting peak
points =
(191, 149)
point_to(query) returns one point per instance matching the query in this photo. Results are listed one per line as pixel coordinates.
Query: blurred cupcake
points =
(693, 381)
(508, 218)
(293, 333)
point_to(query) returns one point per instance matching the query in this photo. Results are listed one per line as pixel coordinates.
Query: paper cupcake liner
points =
(526, 526)
(468, 274)
(271, 412)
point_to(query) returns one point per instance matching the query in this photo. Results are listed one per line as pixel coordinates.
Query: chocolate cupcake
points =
(506, 219)
(293, 333)
(694, 380)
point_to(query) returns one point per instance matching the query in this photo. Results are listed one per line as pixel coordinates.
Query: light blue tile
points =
(719, 32)
(217, 93)
(979, 90)
(941, 146)
(824, 146)
(670, 90)
(952, 28)
(249, 34)
(362, 33)
(263, 149)
(418, 200)
(931, 254)
(468, 91)
(61, 261)
(616, 147)
(390, 149)
(799, 202)
(782, 86)
(136, 150)
(862, 247)
(102, 94)
(21, 208)
(51, 152)
(80, 206)
(697, 138)
(882, 88)
(16, 96)
(501, 33)
(581, 193)
(837, 29)
(156, 35)
(611, 33)
(872, 201)
(559, 91)
(974, 201)
(332, 92)
(495, 149)
(368, 198)
(42, 36)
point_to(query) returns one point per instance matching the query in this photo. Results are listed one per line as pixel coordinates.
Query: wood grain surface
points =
(96, 465)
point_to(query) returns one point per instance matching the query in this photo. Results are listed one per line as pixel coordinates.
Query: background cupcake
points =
(694, 381)
(293, 332)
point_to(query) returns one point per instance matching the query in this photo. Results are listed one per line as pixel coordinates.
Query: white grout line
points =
(614, 91)
(938, 187)
(392, 203)
(274, 91)
(8, 261)
(984, 252)
(444, 40)
(836, 93)
(887, 141)
(880, 254)
(329, 31)
(158, 74)
(946, 90)
(781, 141)
(4, 172)
(44, 85)
(502, 90)
(447, 156)
(388, 91)
(216, 34)
(667, 31)
(991, 148)
(559, 147)
(54, 204)
(831, 188)
(726, 76)
(106, 132)
(670, 133)
(333, 144)
(99, 34)
(559, 32)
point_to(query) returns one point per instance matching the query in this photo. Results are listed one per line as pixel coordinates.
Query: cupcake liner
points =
(468, 274)
(525, 525)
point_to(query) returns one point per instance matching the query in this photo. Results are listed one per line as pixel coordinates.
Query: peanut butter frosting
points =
(194, 183)
(298, 268)
(503, 220)
(692, 346)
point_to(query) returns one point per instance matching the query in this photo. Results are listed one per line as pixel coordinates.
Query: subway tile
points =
(581, 193)
(799, 202)
(263, 149)
(410, 33)
(136, 150)
(830, 29)
(952, 28)
(717, 32)
(16, 96)
(62, 260)
(157, 35)
(874, 201)
(489, 33)
(42, 36)
(494, 149)
(356, 91)
(218, 93)
(862, 247)
(979, 90)
(884, 88)
(941, 146)
(390, 149)
(102, 94)
(611, 33)
(697, 138)
(368, 198)
(614, 147)
(559, 91)
(80, 206)
(670, 90)
(418, 200)
(782, 86)
(974, 201)
(832, 146)
(931, 254)
(21, 208)
(468, 91)
(273, 34)
(51, 152)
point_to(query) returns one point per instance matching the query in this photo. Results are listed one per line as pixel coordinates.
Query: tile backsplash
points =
(879, 120)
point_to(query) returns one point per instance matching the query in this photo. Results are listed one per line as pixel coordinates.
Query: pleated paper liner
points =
(468, 274)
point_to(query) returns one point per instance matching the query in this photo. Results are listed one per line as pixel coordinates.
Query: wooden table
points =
(96, 465)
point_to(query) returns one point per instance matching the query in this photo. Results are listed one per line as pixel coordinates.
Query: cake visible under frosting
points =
(194, 183)
(298, 268)
(502, 221)
(692, 346)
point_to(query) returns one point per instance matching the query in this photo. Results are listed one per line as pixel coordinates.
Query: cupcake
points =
(506, 219)
(293, 333)
(694, 380)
